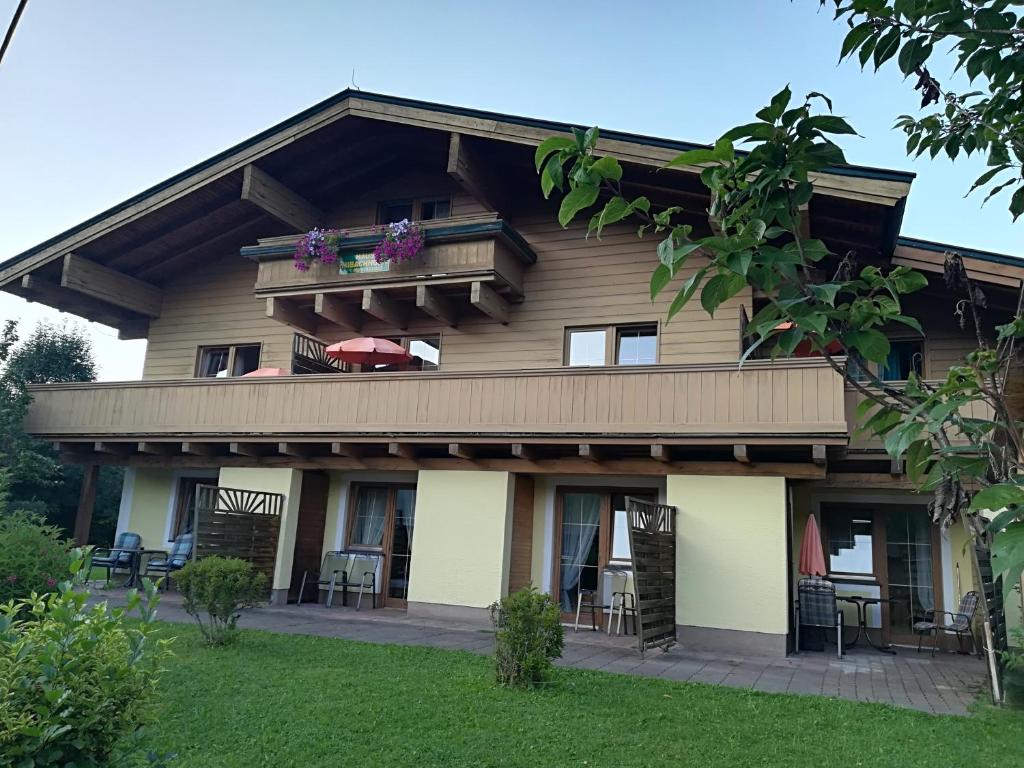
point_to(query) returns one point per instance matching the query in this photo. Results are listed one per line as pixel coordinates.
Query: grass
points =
(292, 700)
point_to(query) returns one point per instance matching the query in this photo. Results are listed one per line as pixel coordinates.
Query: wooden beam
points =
(895, 467)
(109, 285)
(197, 449)
(401, 450)
(340, 313)
(86, 503)
(524, 451)
(434, 303)
(590, 452)
(818, 454)
(298, 450)
(119, 449)
(348, 450)
(159, 449)
(466, 168)
(266, 192)
(484, 298)
(289, 313)
(739, 453)
(385, 308)
(33, 288)
(463, 451)
(133, 329)
(252, 450)
(661, 452)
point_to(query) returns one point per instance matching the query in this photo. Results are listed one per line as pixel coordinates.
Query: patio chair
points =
(622, 595)
(335, 562)
(121, 555)
(163, 562)
(961, 624)
(586, 598)
(361, 574)
(817, 606)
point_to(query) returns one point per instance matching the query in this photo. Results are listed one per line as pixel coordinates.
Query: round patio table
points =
(862, 604)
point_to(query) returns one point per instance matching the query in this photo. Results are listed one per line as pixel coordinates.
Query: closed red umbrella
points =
(812, 556)
(367, 350)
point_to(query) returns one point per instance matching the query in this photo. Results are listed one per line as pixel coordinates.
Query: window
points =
(371, 513)
(848, 535)
(905, 356)
(239, 359)
(637, 345)
(623, 344)
(393, 211)
(435, 209)
(425, 351)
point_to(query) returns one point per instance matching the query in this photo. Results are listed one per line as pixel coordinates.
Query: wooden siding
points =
(853, 400)
(795, 400)
(521, 554)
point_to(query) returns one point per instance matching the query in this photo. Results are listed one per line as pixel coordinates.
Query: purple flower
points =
(316, 245)
(51, 582)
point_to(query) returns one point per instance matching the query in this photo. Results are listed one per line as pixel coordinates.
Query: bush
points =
(33, 556)
(75, 680)
(221, 587)
(528, 636)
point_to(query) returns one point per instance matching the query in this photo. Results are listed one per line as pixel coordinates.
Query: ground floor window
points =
(382, 519)
(185, 504)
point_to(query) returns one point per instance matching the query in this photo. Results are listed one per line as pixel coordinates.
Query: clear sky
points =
(102, 98)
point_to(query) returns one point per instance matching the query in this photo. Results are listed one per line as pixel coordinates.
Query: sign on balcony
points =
(360, 264)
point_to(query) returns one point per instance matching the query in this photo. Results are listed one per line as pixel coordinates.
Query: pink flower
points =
(51, 582)
(12, 578)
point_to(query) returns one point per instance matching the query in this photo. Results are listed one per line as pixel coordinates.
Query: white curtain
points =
(581, 517)
(371, 514)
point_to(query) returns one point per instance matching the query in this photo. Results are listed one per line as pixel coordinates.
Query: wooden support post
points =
(463, 451)
(818, 455)
(266, 192)
(661, 452)
(401, 450)
(289, 313)
(472, 175)
(329, 307)
(434, 303)
(385, 308)
(484, 298)
(739, 452)
(109, 285)
(348, 450)
(524, 451)
(590, 452)
(86, 503)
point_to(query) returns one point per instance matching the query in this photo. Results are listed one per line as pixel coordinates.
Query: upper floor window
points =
(425, 351)
(905, 356)
(612, 345)
(417, 209)
(228, 360)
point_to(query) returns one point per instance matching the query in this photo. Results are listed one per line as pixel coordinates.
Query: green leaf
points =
(1017, 203)
(1003, 519)
(997, 497)
(583, 196)
(686, 292)
(665, 251)
(872, 344)
(918, 454)
(693, 157)
(659, 279)
(608, 167)
(854, 38)
(753, 131)
(552, 175)
(549, 145)
(720, 288)
(886, 47)
(778, 105)
(614, 210)
(908, 282)
(830, 124)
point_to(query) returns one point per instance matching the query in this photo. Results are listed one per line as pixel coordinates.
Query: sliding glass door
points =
(382, 520)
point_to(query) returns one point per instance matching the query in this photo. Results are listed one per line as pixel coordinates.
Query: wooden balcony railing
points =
(795, 401)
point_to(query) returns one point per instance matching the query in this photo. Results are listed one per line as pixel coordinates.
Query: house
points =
(546, 389)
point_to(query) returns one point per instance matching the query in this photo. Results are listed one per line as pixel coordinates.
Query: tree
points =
(756, 241)
(34, 478)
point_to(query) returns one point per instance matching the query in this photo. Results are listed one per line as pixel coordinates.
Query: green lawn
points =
(290, 700)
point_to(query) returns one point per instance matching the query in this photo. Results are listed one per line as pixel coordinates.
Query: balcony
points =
(469, 263)
(661, 413)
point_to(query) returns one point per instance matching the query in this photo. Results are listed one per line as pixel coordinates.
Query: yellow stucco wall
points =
(273, 480)
(460, 550)
(150, 500)
(731, 552)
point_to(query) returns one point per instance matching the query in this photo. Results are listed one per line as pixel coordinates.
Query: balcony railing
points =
(796, 401)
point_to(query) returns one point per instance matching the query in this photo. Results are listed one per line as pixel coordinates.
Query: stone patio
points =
(945, 685)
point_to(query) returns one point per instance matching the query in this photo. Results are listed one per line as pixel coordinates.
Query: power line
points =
(10, 30)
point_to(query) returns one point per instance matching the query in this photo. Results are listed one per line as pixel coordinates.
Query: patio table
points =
(862, 604)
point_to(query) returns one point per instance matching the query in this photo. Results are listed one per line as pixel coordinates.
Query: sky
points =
(100, 99)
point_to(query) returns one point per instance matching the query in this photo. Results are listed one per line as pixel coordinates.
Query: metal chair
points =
(626, 600)
(817, 606)
(360, 573)
(335, 562)
(174, 560)
(587, 598)
(961, 624)
(121, 555)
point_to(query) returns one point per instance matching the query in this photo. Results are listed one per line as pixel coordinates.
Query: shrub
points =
(528, 636)
(220, 587)
(33, 556)
(75, 680)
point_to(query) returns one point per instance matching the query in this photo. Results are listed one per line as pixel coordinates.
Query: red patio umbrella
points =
(804, 349)
(812, 557)
(266, 372)
(367, 350)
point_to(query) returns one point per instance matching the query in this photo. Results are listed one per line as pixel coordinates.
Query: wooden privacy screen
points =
(652, 541)
(238, 523)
